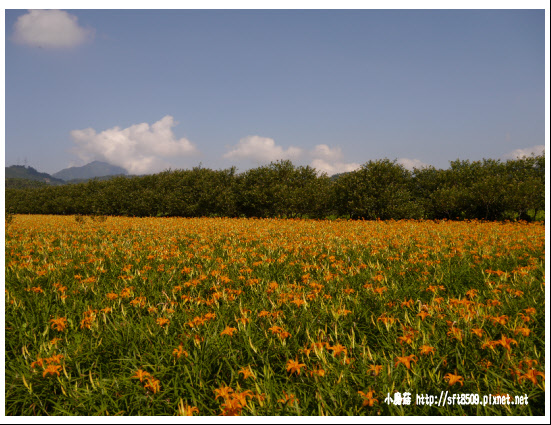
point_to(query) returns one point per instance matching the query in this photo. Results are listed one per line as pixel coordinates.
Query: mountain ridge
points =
(89, 171)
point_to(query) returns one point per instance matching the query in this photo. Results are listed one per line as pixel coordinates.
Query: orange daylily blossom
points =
(522, 331)
(318, 372)
(525, 318)
(502, 320)
(491, 344)
(291, 398)
(153, 385)
(386, 319)
(427, 349)
(471, 293)
(141, 375)
(532, 375)
(477, 332)
(228, 331)
(187, 410)
(527, 362)
(405, 303)
(59, 324)
(452, 379)
(504, 341)
(369, 400)
(231, 407)
(223, 392)
(161, 321)
(54, 341)
(406, 360)
(530, 311)
(337, 349)
(306, 351)
(375, 369)
(294, 366)
(406, 338)
(423, 314)
(247, 372)
(455, 333)
(55, 359)
(51, 369)
(276, 329)
(39, 362)
(179, 352)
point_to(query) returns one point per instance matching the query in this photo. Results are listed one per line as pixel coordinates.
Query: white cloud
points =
(520, 153)
(330, 160)
(140, 148)
(410, 164)
(326, 153)
(324, 158)
(261, 149)
(333, 167)
(50, 29)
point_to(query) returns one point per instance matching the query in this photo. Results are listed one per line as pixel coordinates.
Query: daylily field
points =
(216, 316)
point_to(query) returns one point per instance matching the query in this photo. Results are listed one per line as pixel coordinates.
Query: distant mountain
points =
(29, 173)
(89, 171)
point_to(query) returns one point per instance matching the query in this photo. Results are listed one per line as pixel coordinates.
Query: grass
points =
(167, 316)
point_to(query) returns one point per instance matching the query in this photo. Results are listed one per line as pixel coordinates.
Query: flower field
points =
(216, 316)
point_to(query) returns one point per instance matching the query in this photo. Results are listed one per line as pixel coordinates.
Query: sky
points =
(149, 90)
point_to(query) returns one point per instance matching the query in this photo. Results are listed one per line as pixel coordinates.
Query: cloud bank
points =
(50, 29)
(261, 149)
(140, 148)
(520, 153)
(410, 164)
(264, 150)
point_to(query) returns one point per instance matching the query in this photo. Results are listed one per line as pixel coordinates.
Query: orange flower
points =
(375, 369)
(288, 399)
(423, 314)
(246, 371)
(427, 349)
(532, 375)
(187, 410)
(59, 324)
(368, 398)
(228, 331)
(153, 385)
(39, 362)
(141, 375)
(455, 333)
(471, 293)
(477, 332)
(407, 339)
(504, 341)
(530, 311)
(275, 329)
(523, 331)
(294, 366)
(407, 303)
(179, 352)
(318, 372)
(452, 379)
(161, 321)
(223, 392)
(502, 320)
(406, 360)
(54, 359)
(337, 349)
(51, 369)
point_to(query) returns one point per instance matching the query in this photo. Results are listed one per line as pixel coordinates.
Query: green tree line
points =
(381, 189)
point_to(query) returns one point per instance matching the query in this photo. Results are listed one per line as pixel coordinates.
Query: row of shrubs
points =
(382, 189)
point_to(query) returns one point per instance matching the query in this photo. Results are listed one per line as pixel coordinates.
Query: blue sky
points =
(152, 89)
